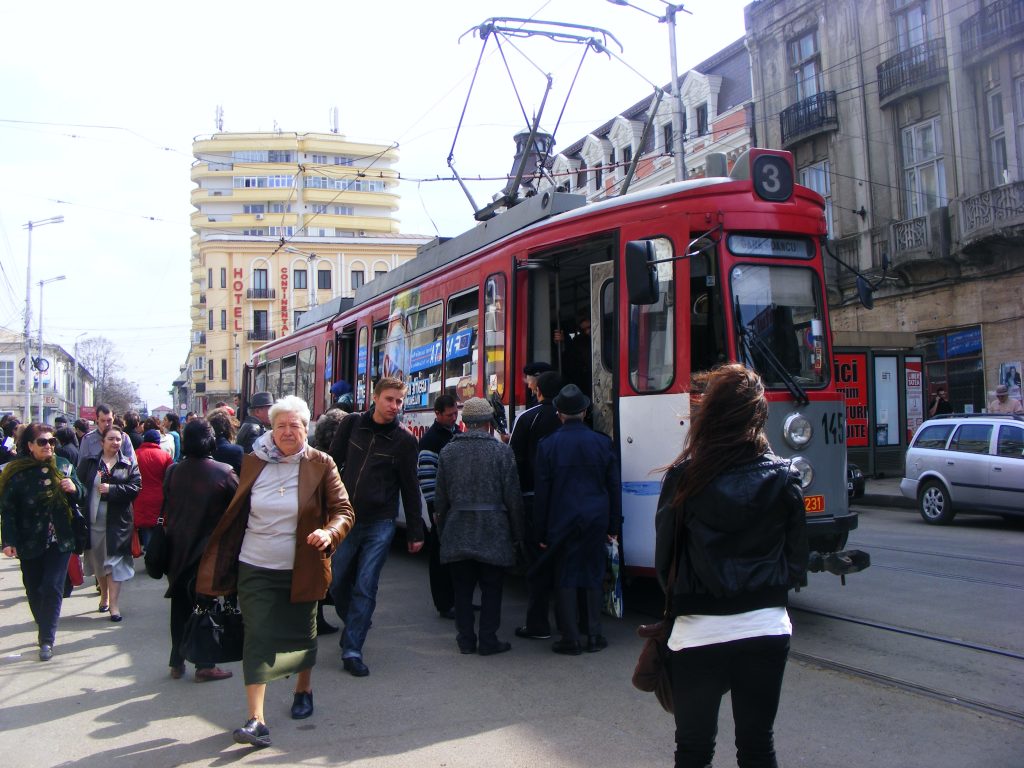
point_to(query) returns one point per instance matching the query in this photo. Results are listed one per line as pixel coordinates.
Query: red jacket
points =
(153, 463)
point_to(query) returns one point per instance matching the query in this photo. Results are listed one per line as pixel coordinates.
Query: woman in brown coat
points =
(273, 547)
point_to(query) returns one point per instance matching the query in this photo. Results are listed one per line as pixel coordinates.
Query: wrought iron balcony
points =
(808, 117)
(261, 293)
(915, 69)
(984, 214)
(261, 334)
(993, 28)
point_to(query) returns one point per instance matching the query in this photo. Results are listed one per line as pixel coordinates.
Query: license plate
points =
(813, 504)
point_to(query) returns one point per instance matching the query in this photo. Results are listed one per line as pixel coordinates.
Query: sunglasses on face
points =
(42, 442)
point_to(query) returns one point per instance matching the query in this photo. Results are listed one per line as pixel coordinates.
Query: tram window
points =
(423, 378)
(274, 378)
(362, 357)
(328, 374)
(782, 309)
(608, 345)
(494, 335)
(652, 330)
(306, 375)
(707, 340)
(288, 366)
(461, 345)
(260, 379)
(380, 337)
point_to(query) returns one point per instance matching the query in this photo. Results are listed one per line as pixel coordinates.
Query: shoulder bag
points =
(214, 633)
(80, 529)
(157, 551)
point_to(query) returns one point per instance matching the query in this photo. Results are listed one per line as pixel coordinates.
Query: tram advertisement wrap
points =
(850, 370)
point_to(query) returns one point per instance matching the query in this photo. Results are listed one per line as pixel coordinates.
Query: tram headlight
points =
(797, 431)
(803, 466)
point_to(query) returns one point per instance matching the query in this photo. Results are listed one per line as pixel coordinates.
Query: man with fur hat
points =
(577, 512)
(256, 422)
(480, 515)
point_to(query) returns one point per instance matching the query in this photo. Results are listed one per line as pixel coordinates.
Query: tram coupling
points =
(839, 563)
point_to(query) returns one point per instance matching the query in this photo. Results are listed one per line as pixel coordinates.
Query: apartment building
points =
(283, 222)
(907, 116)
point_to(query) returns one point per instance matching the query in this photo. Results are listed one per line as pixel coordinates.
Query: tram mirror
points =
(641, 274)
(865, 293)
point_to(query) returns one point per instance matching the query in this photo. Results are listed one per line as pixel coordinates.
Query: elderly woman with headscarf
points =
(273, 547)
(37, 491)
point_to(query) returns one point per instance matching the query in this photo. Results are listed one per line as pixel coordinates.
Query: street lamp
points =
(677, 102)
(28, 309)
(74, 394)
(41, 284)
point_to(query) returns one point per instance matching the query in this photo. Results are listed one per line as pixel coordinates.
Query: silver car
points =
(966, 462)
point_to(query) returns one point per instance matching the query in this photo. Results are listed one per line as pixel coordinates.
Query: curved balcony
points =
(350, 197)
(994, 28)
(809, 117)
(906, 73)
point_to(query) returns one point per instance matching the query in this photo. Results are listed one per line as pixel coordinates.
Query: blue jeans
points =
(43, 577)
(355, 574)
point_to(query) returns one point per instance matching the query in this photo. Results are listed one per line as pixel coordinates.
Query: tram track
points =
(951, 576)
(943, 555)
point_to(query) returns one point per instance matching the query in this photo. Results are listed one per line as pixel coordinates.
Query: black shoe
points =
(566, 648)
(253, 732)
(596, 643)
(449, 614)
(491, 650)
(302, 706)
(467, 648)
(45, 652)
(525, 632)
(355, 666)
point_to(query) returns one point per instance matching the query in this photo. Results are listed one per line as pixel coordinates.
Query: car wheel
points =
(934, 504)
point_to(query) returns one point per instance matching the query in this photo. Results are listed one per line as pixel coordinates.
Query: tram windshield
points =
(779, 313)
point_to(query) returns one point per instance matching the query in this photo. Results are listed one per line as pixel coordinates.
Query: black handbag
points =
(80, 529)
(214, 633)
(158, 555)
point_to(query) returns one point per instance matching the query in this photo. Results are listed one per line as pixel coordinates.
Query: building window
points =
(223, 370)
(319, 159)
(259, 280)
(598, 177)
(282, 231)
(611, 162)
(924, 173)
(911, 23)
(280, 208)
(702, 120)
(581, 176)
(358, 277)
(254, 208)
(323, 279)
(804, 64)
(209, 371)
(209, 277)
(254, 232)
(223, 277)
(6, 375)
(319, 208)
(997, 139)
(299, 279)
(627, 155)
(379, 273)
(223, 319)
(1018, 119)
(819, 178)
(296, 317)
(280, 156)
(259, 320)
(343, 210)
(200, 363)
(210, 325)
(666, 133)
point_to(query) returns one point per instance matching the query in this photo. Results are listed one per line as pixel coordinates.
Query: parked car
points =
(854, 481)
(966, 463)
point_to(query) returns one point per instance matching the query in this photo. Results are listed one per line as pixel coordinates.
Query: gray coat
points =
(477, 501)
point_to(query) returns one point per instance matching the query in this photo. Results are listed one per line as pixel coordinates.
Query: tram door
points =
(602, 345)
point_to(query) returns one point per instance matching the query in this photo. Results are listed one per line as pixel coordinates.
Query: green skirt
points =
(280, 636)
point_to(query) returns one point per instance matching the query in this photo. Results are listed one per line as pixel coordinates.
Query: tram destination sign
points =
(778, 247)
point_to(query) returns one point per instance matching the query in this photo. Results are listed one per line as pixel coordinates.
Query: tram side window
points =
(494, 334)
(328, 374)
(380, 338)
(362, 357)
(306, 375)
(652, 330)
(288, 366)
(707, 338)
(461, 345)
(260, 379)
(423, 378)
(274, 378)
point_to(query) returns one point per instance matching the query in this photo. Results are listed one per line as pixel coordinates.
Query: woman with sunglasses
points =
(37, 492)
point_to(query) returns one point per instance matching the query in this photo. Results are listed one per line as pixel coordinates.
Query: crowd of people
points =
(288, 522)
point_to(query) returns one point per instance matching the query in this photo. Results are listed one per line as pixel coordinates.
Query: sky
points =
(101, 103)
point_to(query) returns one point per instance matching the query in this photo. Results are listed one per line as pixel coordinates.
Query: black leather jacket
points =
(744, 540)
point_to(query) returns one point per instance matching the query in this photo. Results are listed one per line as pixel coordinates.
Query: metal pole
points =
(312, 285)
(41, 282)
(677, 100)
(28, 339)
(74, 380)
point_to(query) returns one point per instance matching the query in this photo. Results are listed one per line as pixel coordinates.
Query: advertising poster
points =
(915, 395)
(1009, 374)
(851, 379)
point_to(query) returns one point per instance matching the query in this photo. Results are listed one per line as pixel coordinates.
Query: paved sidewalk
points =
(884, 492)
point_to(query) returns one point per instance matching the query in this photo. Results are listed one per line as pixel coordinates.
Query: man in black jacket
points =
(256, 420)
(532, 426)
(377, 461)
(446, 413)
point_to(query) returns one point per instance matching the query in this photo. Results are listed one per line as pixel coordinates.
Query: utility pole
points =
(28, 311)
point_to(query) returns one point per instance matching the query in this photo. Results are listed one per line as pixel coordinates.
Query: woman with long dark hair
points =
(37, 492)
(731, 543)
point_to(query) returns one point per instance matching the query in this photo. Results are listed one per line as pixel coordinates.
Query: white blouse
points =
(269, 540)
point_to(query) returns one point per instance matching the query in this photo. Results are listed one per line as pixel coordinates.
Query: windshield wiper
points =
(752, 341)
